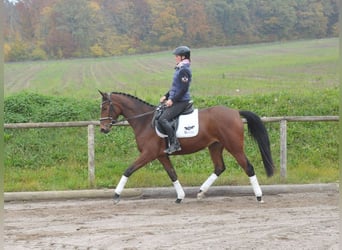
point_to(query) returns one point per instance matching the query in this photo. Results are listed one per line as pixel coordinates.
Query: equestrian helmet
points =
(182, 51)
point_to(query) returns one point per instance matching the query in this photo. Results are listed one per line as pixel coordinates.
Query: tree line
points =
(56, 29)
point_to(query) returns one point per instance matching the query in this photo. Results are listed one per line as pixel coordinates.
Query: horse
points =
(220, 128)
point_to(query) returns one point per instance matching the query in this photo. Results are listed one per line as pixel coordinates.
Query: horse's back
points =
(220, 119)
(220, 114)
(221, 124)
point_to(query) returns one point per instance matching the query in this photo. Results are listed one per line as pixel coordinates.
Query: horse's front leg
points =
(165, 161)
(140, 162)
(120, 187)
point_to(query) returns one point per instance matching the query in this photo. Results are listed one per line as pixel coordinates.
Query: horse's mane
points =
(133, 97)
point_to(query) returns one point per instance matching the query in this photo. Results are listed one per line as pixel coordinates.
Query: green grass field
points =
(238, 70)
(278, 79)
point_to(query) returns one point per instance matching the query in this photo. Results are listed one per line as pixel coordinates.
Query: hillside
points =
(233, 71)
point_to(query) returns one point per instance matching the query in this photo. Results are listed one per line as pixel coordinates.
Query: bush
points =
(38, 54)
(33, 107)
(97, 51)
(17, 52)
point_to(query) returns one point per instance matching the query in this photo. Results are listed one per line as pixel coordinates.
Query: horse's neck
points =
(137, 114)
(140, 121)
(134, 108)
(133, 114)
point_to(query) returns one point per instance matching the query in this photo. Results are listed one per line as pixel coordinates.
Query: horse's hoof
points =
(200, 195)
(116, 198)
(259, 199)
(178, 201)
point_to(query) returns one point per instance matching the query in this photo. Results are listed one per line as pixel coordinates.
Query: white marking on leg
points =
(255, 184)
(179, 190)
(206, 185)
(200, 195)
(121, 184)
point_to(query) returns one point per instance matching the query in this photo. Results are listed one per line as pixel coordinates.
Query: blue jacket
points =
(179, 91)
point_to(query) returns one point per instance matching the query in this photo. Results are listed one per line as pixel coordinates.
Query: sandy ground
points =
(284, 221)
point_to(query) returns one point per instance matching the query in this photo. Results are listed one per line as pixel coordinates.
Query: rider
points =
(178, 97)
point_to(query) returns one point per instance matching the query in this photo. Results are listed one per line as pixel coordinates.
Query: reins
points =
(134, 117)
(113, 122)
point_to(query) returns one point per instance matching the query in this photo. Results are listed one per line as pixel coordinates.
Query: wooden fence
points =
(283, 120)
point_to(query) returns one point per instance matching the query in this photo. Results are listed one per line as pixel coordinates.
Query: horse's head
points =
(108, 113)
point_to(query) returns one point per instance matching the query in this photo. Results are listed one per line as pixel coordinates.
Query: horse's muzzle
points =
(104, 130)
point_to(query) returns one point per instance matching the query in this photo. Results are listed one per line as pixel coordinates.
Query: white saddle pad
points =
(187, 126)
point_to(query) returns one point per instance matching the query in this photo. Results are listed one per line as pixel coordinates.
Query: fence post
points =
(283, 148)
(91, 156)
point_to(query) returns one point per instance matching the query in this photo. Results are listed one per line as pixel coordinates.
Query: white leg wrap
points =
(121, 185)
(179, 190)
(207, 184)
(255, 184)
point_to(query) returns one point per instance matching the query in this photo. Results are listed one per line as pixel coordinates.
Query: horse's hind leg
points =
(254, 182)
(215, 150)
(249, 170)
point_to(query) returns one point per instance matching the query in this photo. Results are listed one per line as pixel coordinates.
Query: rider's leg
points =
(173, 141)
(164, 120)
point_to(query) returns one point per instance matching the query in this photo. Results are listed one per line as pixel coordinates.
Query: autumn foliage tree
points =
(53, 29)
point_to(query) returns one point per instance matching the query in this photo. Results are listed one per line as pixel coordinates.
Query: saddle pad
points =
(187, 126)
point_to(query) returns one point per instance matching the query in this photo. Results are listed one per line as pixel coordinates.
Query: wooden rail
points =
(91, 135)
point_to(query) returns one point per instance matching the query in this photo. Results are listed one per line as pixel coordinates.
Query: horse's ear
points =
(103, 95)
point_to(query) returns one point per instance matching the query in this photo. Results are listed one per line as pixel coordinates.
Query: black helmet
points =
(182, 51)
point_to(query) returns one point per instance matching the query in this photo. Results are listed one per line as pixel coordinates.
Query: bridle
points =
(112, 111)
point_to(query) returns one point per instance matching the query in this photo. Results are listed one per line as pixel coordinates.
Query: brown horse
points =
(219, 128)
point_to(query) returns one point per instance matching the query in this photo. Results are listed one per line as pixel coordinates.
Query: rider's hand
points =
(162, 99)
(169, 103)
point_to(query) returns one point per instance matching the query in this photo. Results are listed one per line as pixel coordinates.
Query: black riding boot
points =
(173, 141)
(174, 145)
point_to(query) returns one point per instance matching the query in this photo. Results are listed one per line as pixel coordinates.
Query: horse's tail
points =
(258, 131)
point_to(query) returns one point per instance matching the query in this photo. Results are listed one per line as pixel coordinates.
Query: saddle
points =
(186, 124)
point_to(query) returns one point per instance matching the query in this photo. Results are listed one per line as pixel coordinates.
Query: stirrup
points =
(172, 149)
